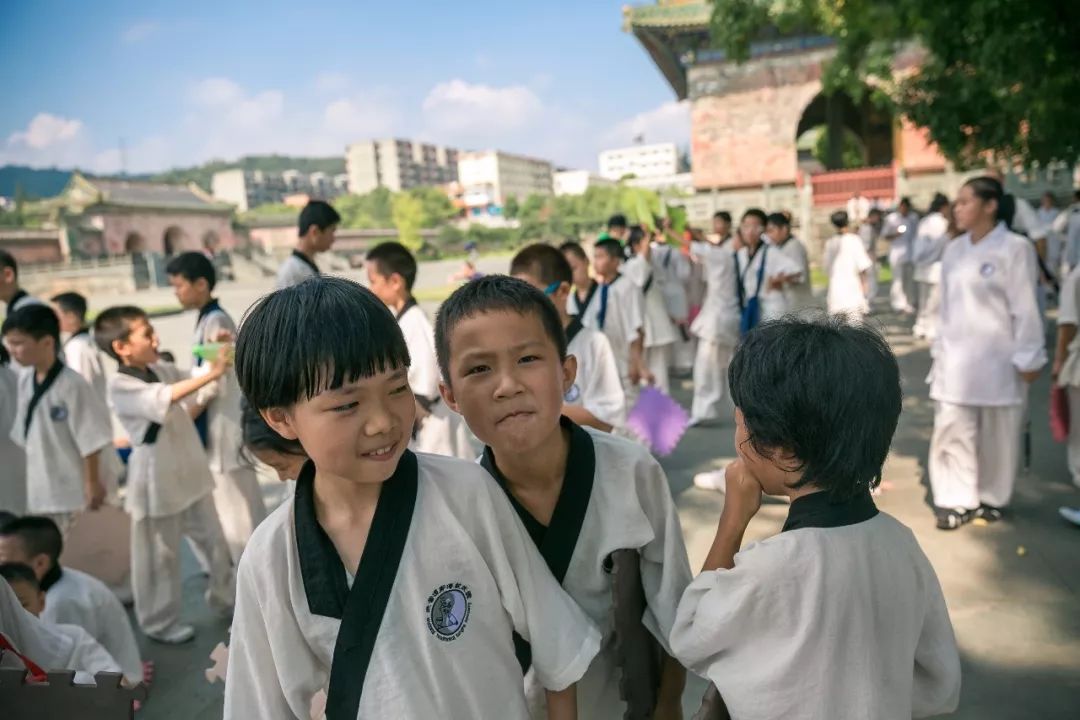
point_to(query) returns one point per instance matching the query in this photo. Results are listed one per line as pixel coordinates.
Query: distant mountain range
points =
(36, 183)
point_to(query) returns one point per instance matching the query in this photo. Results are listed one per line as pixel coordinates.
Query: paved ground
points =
(1013, 589)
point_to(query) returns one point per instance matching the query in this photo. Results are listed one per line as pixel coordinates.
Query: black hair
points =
(778, 219)
(19, 572)
(839, 219)
(574, 248)
(904, 201)
(114, 324)
(318, 213)
(37, 320)
(5, 516)
(71, 302)
(637, 235)
(723, 215)
(758, 213)
(823, 389)
(542, 262)
(874, 211)
(193, 266)
(4, 357)
(393, 257)
(494, 293)
(612, 247)
(939, 202)
(39, 535)
(987, 188)
(7, 260)
(301, 340)
(260, 436)
(617, 220)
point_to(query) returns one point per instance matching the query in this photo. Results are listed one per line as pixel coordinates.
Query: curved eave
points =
(665, 58)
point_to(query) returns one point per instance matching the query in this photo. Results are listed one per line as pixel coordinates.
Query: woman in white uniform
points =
(989, 347)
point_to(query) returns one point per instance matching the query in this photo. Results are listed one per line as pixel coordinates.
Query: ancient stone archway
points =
(172, 241)
(134, 243)
(839, 132)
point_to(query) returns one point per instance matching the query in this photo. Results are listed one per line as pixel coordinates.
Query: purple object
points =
(658, 420)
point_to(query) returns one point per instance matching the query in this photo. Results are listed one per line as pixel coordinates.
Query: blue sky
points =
(185, 82)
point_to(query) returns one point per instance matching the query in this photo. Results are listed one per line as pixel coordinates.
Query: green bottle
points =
(207, 351)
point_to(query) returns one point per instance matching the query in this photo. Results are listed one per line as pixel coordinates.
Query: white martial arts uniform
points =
(68, 424)
(169, 494)
(800, 296)
(989, 332)
(620, 303)
(1068, 224)
(902, 292)
(1069, 377)
(80, 599)
(597, 387)
(295, 269)
(660, 331)
(930, 240)
(615, 496)
(12, 456)
(443, 431)
(773, 303)
(424, 630)
(717, 331)
(838, 616)
(846, 263)
(237, 495)
(870, 235)
(676, 270)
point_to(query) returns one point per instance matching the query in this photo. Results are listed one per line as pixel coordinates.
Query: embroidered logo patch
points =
(572, 394)
(986, 270)
(58, 413)
(448, 608)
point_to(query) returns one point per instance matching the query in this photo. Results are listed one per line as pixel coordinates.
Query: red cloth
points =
(1059, 413)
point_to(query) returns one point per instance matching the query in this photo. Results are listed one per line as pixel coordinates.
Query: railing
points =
(838, 186)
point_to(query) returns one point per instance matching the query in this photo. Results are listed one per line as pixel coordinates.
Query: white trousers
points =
(155, 563)
(712, 399)
(872, 285)
(902, 291)
(1073, 446)
(974, 454)
(658, 360)
(929, 305)
(683, 357)
(240, 507)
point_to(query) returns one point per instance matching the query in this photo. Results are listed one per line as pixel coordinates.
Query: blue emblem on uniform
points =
(58, 413)
(572, 394)
(448, 608)
(986, 270)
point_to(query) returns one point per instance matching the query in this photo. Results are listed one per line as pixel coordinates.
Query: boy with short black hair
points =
(391, 272)
(762, 277)
(318, 222)
(841, 614)
(581, 493)
(237, 495)
(393, 579)
(169, 488)
(60, 422)
(70, 596)
(13, 296)
(596, 398)
(80, 352)
(778, 230)
(617, 228)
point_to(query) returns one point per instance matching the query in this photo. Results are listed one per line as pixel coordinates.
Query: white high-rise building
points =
(398, 165)
(576, 182)
(489, 177)
(640, 161)
(247, 189)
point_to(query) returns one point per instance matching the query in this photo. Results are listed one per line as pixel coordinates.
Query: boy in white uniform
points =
(581, 494)
(60, 422)
(12, 456)
(841, 614)
(391, 581)
(660, 331)
(318, 222)
(848, 267)
(930, 239)
(237, 496)
(979, 380)
(391, 271)
(596, 397)
(763, 272)
(899, 229)
(778, 230)
(169, 488)
(71, 597)
(674, 267)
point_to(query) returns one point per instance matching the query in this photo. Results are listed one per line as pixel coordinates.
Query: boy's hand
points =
(742, 496)
(1030, 376)
(223, 360)
(223, 336)
(95, 494)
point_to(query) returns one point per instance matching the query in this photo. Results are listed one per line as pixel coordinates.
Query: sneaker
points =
(951, 519)
(712, 480)
(175, 635)
(1071, 514)
(987, 514)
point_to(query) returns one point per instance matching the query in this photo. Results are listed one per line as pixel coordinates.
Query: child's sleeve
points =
(936, 689)
(89, 420)
(564, 641)
(720, 611)
(146, 401)
(665, 568)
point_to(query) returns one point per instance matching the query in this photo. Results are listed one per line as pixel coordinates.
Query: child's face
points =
(32, 599)
(357, 432)
(390, 289)
(324, 239)
(605, 262)
(69, 321)
(507, 380)
(763, 469)
(777, 233)
(29, 352)
(286, 466)
(141, 347)
(191, 295)
(12, 550)
(580, 268)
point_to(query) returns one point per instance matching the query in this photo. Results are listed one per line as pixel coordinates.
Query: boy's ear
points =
(280, 422)
(116, 345)
(447, 393)
(569, 369)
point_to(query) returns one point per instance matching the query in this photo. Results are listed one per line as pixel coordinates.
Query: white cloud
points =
(331, 82)
(46, 130)
(669, 122)
(214, 92)
(460, 106)
(139, 31)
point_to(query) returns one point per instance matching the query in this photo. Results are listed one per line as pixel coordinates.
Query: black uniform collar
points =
(818, 510)
(145, 374)
(306, 260)
(207, 309)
